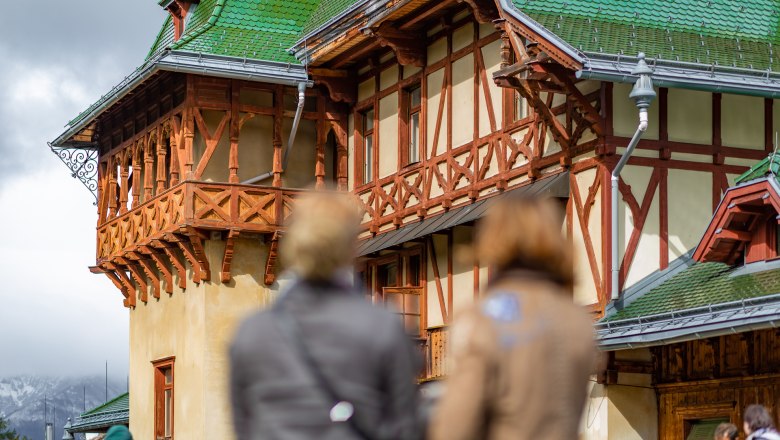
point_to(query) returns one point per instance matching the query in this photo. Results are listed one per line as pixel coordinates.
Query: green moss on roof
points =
(770, 164)
(723, 32)
(700, 285)
(252, 29)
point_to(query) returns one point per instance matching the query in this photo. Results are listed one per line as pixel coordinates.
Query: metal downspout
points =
(642, 94)
(290, 140)
(615, 178)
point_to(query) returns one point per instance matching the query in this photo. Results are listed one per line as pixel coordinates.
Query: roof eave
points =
(194, 63)
(300, 50)
(542, 31)
(678, 74)
(632, 333)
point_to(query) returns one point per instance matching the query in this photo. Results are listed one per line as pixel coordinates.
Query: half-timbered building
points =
(427, 111)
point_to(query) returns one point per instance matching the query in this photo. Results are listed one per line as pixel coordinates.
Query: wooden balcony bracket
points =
(484, 11)
(340, 84)
(159, 261)
(150, 271)
(176, 261)
(408, 46)
(270, 263)
(112, 275)
(136, 274)
(128, 289)
(227, 257)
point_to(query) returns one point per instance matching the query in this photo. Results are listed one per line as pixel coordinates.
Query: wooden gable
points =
(744, 225)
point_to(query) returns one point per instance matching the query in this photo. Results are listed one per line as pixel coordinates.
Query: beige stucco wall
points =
(491, 55)
(256, 148)
(463, 101)
(690, 116)
(217, 168)
(388, 135)
(462, 268)
(647, 257)
(626, 410)
(584, 287)
(302, 156)
(435, 81)
(626, 117)
(742, 121)
(433, 307)
(195, 326)
(690, 209)
(463, 36)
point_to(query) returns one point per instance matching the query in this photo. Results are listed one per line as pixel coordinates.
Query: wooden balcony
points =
(156, 238)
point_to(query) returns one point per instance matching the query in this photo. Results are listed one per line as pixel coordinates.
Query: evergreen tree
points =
(6, 433)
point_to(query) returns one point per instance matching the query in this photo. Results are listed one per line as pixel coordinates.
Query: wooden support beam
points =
(150, 271)
(211, 139)
(140, 281)
(408, 45)
(175, 259)
(227, 257)
(157, 256)
(437, 279)
(270, 263)
(196, 241)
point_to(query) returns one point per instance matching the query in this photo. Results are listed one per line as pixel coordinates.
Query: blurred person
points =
(758, 424)
(522, 356)
(118, 432)
(726, 431)
(323, 363)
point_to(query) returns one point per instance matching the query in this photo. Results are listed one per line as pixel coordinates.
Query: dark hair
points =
(757, 417)
(727, 430)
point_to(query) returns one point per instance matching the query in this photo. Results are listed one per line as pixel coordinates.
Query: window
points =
(413, 118)
(519, 106)
(367, 133)
(405, 302)
(163, 399)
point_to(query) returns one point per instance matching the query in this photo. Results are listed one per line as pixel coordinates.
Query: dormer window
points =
(179, 9)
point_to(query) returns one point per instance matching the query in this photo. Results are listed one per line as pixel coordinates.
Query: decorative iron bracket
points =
(82, 162)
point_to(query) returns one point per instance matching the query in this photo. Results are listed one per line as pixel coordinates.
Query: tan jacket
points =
(521, 361)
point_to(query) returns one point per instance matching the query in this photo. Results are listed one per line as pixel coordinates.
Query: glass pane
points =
(395, 301)
(412, 303)
(413, 271)
(415, 97)
(414, 138)
(369, 159)
(387, 275)
(412, 324)
(168, 410)
(368, 120)
(520, 107)
(168, 376)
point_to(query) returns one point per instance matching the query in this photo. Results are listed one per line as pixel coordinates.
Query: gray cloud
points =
(56, 58)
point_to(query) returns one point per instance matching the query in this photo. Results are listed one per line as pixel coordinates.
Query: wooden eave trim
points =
(549, 47)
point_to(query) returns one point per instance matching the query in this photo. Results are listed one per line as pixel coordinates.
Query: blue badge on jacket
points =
(502, 307)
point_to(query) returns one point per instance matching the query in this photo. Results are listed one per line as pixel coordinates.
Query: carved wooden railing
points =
(141, 249)
(215, 206)
(436, 351)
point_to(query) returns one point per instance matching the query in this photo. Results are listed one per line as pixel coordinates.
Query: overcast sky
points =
(56, 58)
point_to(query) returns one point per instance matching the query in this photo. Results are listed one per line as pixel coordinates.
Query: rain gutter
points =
(192, 63)
(679, 74)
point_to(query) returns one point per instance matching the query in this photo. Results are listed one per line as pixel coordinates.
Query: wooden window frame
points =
(160, 387)
(361, 133)
(406, 111)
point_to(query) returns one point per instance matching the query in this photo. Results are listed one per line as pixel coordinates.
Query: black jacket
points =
(361, 349)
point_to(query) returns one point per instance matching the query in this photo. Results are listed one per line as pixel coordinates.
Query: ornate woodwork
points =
(409, 46)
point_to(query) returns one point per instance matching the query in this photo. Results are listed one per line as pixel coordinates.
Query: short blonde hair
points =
(321, 235)
(522, 232)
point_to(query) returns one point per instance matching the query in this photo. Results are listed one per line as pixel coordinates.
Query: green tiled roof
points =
(770, 164)
(326, 10)
(119, 403)
(700, 285)
(721, 32)
(252, 29)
